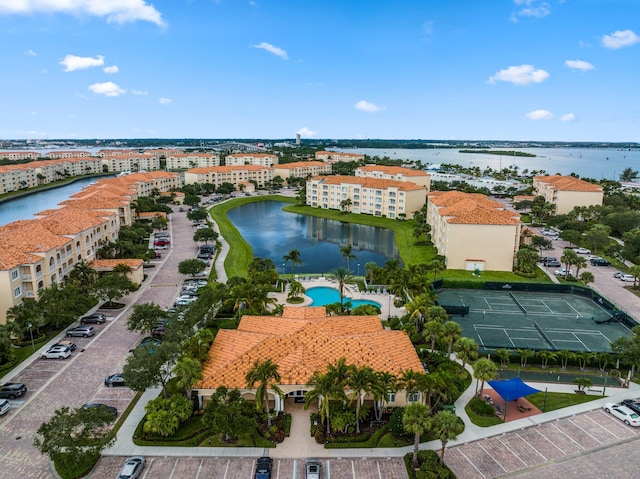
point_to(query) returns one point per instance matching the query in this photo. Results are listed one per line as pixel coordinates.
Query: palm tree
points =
(294, 257)
(417, 310)
(434, 328)
(484, 370)
(361, 381)
(266, 374)
(370, 268)
(446, 427)
(416, 420)
(343, 276)
(324, 389)
(387, 385)
(546, 356)
(565, 355)
(347, 255)
(187, 371)
(503, 355)
(452, 331)
(437, 266)
(410, 381)
(466, 350)
(524, 355)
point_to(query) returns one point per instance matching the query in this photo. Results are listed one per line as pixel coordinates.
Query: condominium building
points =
(235, 175)
(301, 169)
(68, 154)
(132, 161)
(374, 196)
(183, 161)
(256, 159)
(472, 231)
(333, 156)
(567, 192)
(19, 155)
(396, 173)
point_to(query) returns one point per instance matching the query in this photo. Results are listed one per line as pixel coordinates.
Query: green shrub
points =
(482, 408)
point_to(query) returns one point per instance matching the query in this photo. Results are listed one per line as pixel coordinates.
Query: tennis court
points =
(527, 320)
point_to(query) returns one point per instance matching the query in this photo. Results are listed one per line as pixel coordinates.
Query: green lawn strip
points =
(240, 253)
(452, 276)
(410, 251)
(481, 421)
(559, 400)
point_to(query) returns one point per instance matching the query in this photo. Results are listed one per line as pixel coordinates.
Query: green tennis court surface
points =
(526, 320)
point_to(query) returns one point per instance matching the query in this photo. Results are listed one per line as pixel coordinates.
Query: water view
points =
(272, 233)
(321, 295)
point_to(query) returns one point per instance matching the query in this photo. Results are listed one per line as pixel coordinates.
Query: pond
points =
(272, 233)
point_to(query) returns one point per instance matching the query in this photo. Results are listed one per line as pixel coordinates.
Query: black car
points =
(553, 264)
(632, 404)
(114, 380)
(93, 319)
(546, 259)
(12, 390)
(263, 468)
(96, 405)
(599, 262)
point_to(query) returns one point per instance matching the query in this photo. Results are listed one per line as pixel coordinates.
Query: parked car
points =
(313, 469)
(68, 344)
(96, 318)
(563, 272)
(263, 468)
(114, 380)
(4, 407)
(623, 413)
(627, 277)
(617, 274)
(632, 404)
(599, 262)
(553, 264)
(98, 405)
(546, 259)
(132, 468)
(159, 331)
(164, 246)
(205, 256)
(158, 242)
(189, 292)
(12, 390)
(207, 248)
(582, 250)
(56, 352)
(149, 341)
(84, 331)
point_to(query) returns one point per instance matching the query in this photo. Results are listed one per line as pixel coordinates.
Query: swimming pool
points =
(321, 295)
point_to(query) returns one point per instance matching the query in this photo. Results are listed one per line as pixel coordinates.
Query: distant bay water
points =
(585, 162)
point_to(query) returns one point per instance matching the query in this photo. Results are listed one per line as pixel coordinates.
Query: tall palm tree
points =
(294, 257)
(266, 374)
(370, 268)
(484, 370)
(343, 276)
(387, 385)
(347, 255)
(466, 349)
(416, 420)
(361, 381)
(452, 331)
(188, 371)
(324, 389)
(446, 427)
(434, 328)
(410, 381)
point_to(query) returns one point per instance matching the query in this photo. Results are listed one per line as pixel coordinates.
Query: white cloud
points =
(107, 89)
(367, 106)
(31, 53)
(567, 117)
(520, 75)
(619, 39)
(539, 115)
(306, 132)
(115, 11)
(427, 28)
(579, 65)
(531, 8)
(139, 92)
(279, 52)
(111, 69)
(73, 62)
(165, 101)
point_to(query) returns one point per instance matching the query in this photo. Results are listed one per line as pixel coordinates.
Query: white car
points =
(582, 250)
(627, 277)
(57, 352)
(563, 272)
(623, 413)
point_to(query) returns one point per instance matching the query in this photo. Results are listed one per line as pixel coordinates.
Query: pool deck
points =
(388, 309)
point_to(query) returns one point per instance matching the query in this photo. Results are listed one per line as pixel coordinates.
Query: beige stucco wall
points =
(567, 200)
(495, 245)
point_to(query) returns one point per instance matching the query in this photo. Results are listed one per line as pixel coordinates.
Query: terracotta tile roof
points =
(568, 183)
(394, 170)
(302, 341)
(152, 214)
(256, 155)
(472, 208)
(339, 153)
(301, 164)
(523, 198)
(226, 169)
(70, 221)
(366, 182)
(20, 242)
(449, 198)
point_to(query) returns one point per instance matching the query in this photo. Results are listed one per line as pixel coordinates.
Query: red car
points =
(161, 243)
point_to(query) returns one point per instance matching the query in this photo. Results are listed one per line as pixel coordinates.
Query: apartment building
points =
(57, 154)
(17, 177)
(333, 156)
(183, 161)
(20, 155)
(235, 175)
(256, 159)
(133, 162)
(567, 192)
(34, 254)
(472, 231)
(374, 196)
(396, 173)
(301, 169)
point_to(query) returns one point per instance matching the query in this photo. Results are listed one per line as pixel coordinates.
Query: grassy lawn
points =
(500, 276)
(559, 400)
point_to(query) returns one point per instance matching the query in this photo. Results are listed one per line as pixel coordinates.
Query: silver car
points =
(313, 469)
(132, 468)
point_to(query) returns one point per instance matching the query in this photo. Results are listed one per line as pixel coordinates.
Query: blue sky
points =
(548, 70)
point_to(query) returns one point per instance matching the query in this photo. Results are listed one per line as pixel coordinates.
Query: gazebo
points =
(512, 390)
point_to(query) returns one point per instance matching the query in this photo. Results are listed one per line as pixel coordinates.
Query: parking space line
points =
(226, 470)
(353, 469)
(379, 471)
(491, 456)
(174, 468)
(602, 426)
(511, 451)
(471, 462)
(585, 431)
(199, 468)
(328, 469)
(568, 437)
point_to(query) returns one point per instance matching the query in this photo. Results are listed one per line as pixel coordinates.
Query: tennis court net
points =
(544, 336)
(517, 302)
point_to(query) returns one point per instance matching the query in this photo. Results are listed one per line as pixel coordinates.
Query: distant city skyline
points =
(512, 70)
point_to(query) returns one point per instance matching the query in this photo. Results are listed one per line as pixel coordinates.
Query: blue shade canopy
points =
(512, 389)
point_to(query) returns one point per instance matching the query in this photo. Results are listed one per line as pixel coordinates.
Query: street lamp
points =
(283, 268)
(390, 298)
(31, 334)
(358, 269)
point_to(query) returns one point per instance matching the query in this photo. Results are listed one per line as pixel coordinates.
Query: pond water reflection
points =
(272, 233)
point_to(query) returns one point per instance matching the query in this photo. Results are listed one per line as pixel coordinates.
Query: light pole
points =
(358, 269)
(390, 298)
(283, 268)
(31, 334)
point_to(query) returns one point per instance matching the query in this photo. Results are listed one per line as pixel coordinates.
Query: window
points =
(412, 397)
(392, 397)
(14, 274)
(17, 292)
